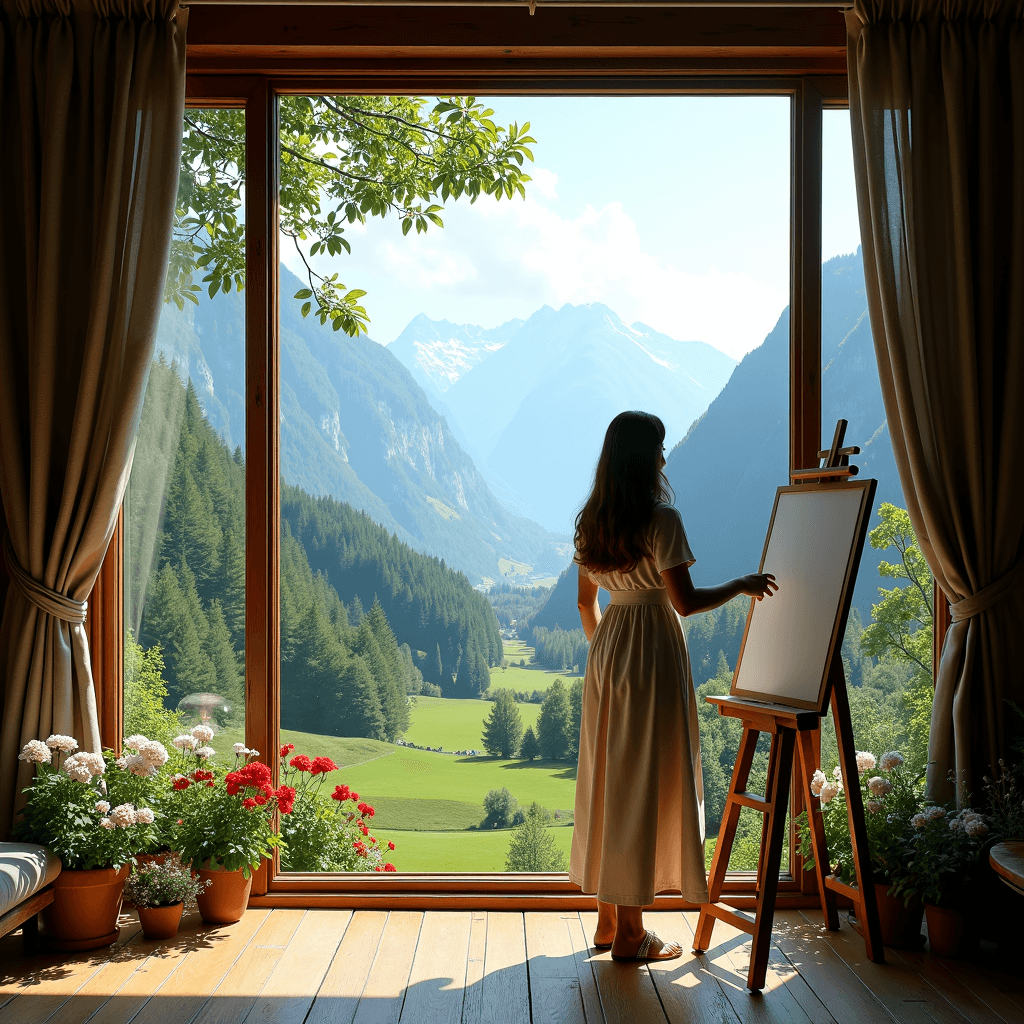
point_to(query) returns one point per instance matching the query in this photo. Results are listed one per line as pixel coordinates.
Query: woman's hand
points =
(758, 585)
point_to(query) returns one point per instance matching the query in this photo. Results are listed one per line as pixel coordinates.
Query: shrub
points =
(533, 846)
(499, 808)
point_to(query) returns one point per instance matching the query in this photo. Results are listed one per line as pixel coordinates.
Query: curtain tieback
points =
(45, 599)
(987, 596)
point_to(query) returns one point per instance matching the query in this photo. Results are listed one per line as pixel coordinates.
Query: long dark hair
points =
(611, 528)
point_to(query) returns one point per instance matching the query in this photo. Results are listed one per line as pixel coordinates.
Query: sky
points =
(673, 211)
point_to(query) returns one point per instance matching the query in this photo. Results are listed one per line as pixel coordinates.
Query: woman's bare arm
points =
(690, 600)
(586, 601)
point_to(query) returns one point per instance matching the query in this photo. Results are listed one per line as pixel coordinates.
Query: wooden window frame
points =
(250, 73)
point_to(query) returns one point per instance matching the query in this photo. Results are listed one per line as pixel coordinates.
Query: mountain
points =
(536, 395)
(726, 470)
(355, 425)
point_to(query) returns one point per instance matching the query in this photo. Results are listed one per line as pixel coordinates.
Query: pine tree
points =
(218, 649)
(438, 668)
(554, 722)
(533, 846)
(503, 727)
(529, 748)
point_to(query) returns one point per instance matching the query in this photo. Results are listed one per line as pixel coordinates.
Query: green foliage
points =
(554, 723)
(533, 847)
(503, 727)
(529, 748)
(513, 605)
(575, 717)
(500, 807)
(163, 883)
(342, 159)
(144, 693)
(561, 649)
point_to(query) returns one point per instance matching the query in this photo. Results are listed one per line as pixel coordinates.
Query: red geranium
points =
(254, 775)
(340, 793)
(249, 803)
(301, 763)
(285, 799)
(261, 798)
(287, 748)
(390, 867)
(202, 775)
(360, 847)
(181, 782)
(354, 797)
(322, 765)
(391, 845)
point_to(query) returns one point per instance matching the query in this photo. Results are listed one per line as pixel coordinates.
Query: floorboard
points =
(477, 967)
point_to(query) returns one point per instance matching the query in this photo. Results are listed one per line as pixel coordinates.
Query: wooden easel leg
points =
(726, 837)
(807, 751)
(777, 794)
(867, 911)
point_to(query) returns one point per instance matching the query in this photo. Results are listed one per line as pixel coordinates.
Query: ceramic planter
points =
(83, 914)
(160, 922)
(225, 900)
(945, 929)
(901, 924)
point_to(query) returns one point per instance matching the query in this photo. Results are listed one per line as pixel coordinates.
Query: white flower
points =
(145, 816)
(205, 752)
(102, 806)
(829, 791)
(837, 773)
(137, 765)
(873, 806)
(37, 751)
(106, 823)
(135, 741)
(919, 820)
(879, 786)
(241, 748)
(891, 759)
(934, 812)
(83, 766)
(254, 753)
(956, 824)
(817, 781)
(185, 742)
(153, 753)
(203, 733)
(66, 743)
(123, 815)
(865, 761)
(975, 827)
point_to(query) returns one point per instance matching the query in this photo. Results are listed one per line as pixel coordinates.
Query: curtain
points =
(91, 106)
(937, 114)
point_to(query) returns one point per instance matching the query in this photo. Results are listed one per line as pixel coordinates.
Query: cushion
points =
(24, 869)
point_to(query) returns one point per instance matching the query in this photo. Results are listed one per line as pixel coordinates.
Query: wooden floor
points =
(320, 966)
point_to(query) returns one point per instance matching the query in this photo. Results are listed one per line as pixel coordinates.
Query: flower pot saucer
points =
(915, 942)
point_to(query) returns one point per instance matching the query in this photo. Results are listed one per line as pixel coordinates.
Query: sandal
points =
(641, 953)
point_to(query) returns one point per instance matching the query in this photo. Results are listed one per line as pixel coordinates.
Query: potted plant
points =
(891, 793)
(224, 825)
(161, 891)
(91, 810)
(326, 832)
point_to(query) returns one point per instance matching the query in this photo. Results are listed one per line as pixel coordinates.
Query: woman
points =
(639, 825)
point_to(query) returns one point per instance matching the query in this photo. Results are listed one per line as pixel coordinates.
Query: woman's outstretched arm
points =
(690, 600)
(586, 601)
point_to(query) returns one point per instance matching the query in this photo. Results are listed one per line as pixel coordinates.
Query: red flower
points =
(373, 839)
(181, 783)
(369, 811)
(301, 763)
(202, 775)
(254, 775)
(321, 765)
(378, 868)
(360, 847)
(260, 798)
(287, 749)
(249, 804)
(390, 867)
(209, 785)
(391, 845)
(285, 799)
(354, 797)
(340, 793)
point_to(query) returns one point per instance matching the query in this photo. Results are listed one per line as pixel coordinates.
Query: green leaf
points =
(303, 293)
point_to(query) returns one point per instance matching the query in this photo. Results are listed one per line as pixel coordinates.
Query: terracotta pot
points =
(160, 922)
(224, 901)
(83, 914)
(945, 929)
(901, 924)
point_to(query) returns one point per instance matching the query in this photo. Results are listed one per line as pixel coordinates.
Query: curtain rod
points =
(531, 4)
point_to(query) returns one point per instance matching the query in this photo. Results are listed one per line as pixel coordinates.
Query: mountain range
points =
(531, 398)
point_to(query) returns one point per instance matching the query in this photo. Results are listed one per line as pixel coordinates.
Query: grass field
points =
(456, 724)
(530, 678)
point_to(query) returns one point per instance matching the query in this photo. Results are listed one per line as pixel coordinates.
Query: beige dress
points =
(639, 826)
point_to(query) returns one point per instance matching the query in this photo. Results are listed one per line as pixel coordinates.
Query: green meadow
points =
(530, 678)
(455, 724)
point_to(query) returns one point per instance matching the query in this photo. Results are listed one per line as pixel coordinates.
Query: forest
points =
(355, 602)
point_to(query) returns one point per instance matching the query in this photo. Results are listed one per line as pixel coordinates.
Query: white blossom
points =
(123, 815)
(205, 752)
(241, 748)
(106, 823)
(865, 761)
(59, 742)
(36, 751)
(879, 786)
(102, 806)
(137, 765)
(185, 742)
(889, 760)
(153, 753)
(975, 827)
(919, 820)
(253, 753)
(956, 824)
(817, 781)
(145, 816)
(134, 741)
(83, 766)
(829, 791)
(203, 733)
(873, 806)
(934, 812)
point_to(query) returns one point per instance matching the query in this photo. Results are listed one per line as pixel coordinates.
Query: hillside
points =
(355, 425)
(524, 389)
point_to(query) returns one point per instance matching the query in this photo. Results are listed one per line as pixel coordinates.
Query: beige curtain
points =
(937, 111)
(91, 105)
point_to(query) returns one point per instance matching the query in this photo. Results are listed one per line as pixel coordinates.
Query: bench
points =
(26, 871)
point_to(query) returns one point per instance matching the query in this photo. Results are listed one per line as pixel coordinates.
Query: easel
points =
(795, 744)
